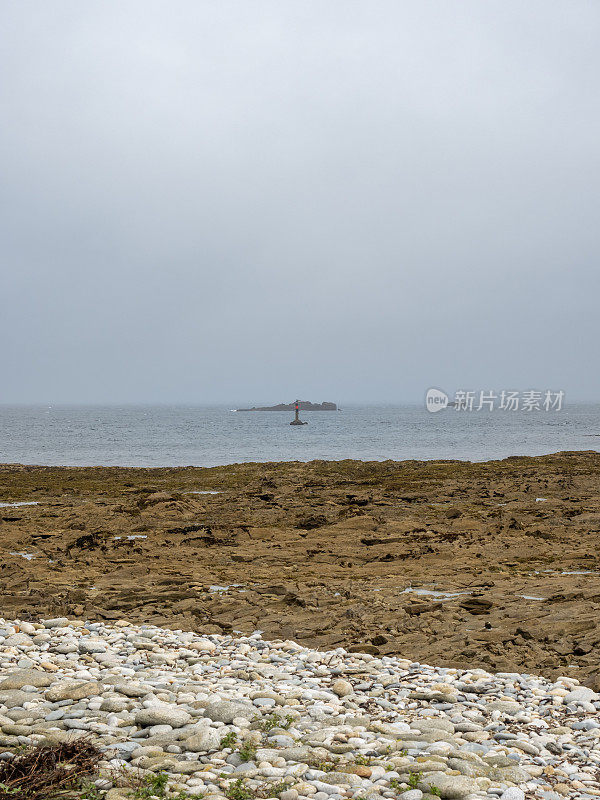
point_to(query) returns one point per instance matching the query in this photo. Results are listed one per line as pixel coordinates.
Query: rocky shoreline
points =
(235, 718)
(493, 565)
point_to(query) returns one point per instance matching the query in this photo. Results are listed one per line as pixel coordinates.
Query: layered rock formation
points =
(492, 565)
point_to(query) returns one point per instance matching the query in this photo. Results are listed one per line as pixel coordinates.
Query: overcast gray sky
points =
(251, 201)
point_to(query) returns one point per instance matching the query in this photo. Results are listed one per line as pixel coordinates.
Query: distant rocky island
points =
(303, 405)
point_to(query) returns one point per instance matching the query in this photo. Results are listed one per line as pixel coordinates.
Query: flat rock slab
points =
(26, 677)
(72, 690)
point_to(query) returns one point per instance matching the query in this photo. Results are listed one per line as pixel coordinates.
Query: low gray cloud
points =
(251, 201)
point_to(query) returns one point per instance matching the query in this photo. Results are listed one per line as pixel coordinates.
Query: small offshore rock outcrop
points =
(304, 405)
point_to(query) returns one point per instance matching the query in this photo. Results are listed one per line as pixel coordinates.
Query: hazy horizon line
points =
(235, 405)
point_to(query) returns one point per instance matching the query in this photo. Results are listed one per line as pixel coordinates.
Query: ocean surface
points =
(183, 435)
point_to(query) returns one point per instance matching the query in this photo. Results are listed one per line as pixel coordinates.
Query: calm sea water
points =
(177, 436)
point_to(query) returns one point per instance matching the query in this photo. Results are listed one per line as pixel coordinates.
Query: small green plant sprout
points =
(247, 751)
(396, 785)
(153, 786)
(434, 790)
(89, 791)
(274, 790)
(328, 766)
(388, 767)
(275, 720)
(363, 761)
(228, 740)
(239, 791)
(413, 779)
